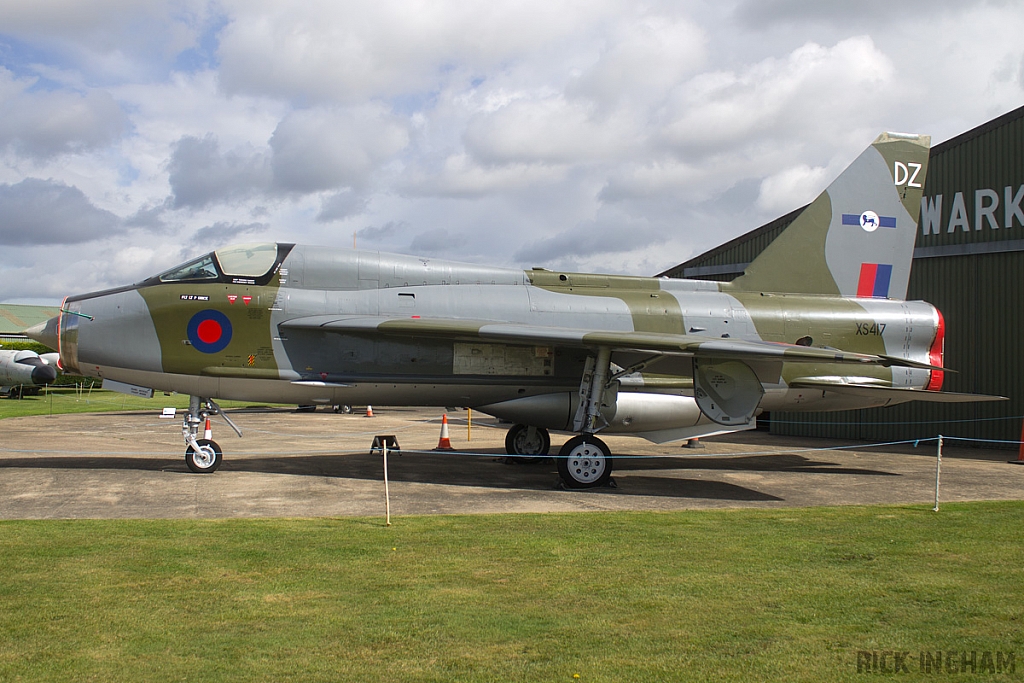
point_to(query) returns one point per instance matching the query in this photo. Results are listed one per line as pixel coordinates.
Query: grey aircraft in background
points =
(25, 372)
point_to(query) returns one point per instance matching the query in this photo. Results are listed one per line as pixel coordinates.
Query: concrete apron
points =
(131, 465)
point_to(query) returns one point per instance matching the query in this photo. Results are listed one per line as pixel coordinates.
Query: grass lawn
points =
(712, 595)
(61, 400)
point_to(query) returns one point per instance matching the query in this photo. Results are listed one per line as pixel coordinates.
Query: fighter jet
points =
(23, 372)
(816, 323)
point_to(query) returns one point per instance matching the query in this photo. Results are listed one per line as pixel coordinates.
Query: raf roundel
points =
(209, 331)
(869, 221)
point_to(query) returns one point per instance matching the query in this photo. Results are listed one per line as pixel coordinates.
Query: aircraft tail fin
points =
(857, 238)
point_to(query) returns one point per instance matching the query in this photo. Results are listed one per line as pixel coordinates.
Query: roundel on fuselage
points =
(209, 331)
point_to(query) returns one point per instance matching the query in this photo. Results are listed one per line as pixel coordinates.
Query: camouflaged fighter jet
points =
(816, 323)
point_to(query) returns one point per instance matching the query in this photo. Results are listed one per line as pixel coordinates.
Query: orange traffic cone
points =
(369, 411)
(208, 432)
(444, 443)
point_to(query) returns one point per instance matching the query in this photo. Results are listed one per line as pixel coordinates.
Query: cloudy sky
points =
(620, 137)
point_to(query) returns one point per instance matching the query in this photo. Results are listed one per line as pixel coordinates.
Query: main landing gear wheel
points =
(584, 462)
(207, 459)
(524, 440)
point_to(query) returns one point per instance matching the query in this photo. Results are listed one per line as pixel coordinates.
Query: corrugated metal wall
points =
(981, 296)
(988, 157)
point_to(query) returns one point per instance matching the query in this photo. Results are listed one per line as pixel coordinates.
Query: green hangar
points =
(969, 263)
(15, 318)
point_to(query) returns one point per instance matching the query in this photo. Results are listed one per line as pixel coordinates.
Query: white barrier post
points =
(387, 493)
(938, 470)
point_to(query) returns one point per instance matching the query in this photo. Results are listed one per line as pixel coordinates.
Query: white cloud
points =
(332, 147)
(224, 233)
(815, 91)
(200, 175)
(46, 212)
(72, 19)
(864, 12)
(791, 188)
(549, 130)
(110, 40)
(41, 124)
(340, 205)
(353, 51)
(460, 176)
(660, 177)
(644, 60)
(595, 135)
(607, 235)
(129, 263)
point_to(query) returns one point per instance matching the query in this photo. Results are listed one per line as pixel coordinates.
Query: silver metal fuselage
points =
(135, 336)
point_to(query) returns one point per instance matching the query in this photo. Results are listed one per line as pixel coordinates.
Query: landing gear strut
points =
(585, 461)
(202, 456)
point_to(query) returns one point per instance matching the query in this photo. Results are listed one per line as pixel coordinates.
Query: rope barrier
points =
(412, 451)
(917, 422)
(964, 438)
(424, 421)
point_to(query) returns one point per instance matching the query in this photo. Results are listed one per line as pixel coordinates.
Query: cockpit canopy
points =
(202, 268)
(249, 262)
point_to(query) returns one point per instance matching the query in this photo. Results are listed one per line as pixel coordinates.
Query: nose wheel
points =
(584, 462)
(203, 456)
(206, 459)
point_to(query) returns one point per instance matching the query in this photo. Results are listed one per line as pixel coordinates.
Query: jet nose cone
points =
(44, 374)
(44, 333)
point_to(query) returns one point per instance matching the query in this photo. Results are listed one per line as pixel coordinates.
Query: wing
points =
(893, 394)
(642, 342)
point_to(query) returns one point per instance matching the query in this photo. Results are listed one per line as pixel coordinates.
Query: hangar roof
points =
(14, 318)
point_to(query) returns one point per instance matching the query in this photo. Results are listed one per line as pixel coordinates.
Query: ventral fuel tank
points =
(656, 417)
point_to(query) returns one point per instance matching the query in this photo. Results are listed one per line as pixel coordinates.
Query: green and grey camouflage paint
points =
(816, 322)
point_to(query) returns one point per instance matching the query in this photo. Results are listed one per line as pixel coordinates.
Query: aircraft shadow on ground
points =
(745, 463)
(488, 469)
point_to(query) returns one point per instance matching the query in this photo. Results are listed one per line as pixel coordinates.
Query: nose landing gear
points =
(203, 456)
